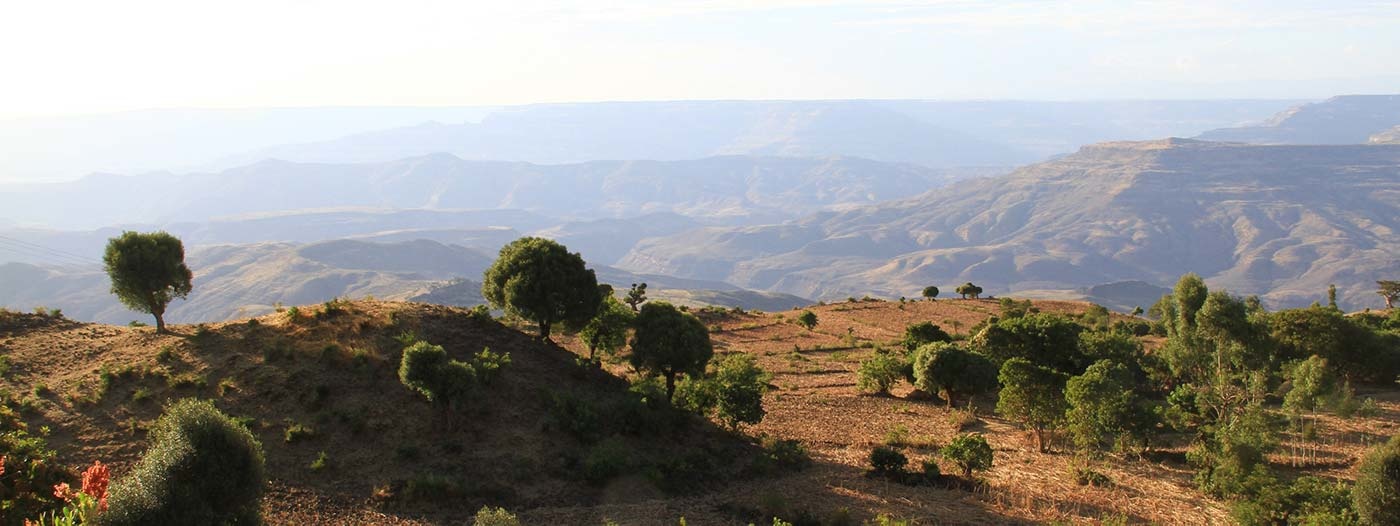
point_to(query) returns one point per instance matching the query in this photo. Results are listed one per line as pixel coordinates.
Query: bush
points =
(786, 453)
(495, 517)
(970, 452)
(880, 372)
(1088, 477)
(201, 468)
(1308, 500)
(953, 370)
(931, 470)
(740, 385)
(1376, 495)
(607, 459)
(807, 319)
(887, 460)
(918, 334)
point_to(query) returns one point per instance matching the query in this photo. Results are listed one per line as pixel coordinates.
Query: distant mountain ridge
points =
(1279, 221)
(1347, 119)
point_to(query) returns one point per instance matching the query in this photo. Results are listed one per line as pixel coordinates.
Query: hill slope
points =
(1279, 221)
(1348, 119)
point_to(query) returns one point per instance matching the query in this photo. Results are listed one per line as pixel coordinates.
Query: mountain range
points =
(1282, 222)
(1348, 119)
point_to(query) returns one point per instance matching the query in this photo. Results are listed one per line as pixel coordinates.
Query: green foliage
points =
(968, 290)
(541, 281)
(807, 319)
(426, 369)
(30, 471)
(1231, 461)
(322, 462)
(1312, 383)
(636, 295)
(1389, 291)
(1307, 501)
(297, 432)
(970, 452)
(1044, 339)
(953, 370)
(487, 516)
(930, 292)
(1088, 477)
(1356, 351)
(1101, 406)
(919, 334)
(669, 342)
(201, 468)
(1032, 395)
(1011, 308)
(740, 385)
(786, 453)
(605, 460)
(880, 372)
(147, 272)
(607, 331)
(1376, 496)
(887, 460)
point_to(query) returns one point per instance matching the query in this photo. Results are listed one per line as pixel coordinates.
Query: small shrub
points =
(487, 516)
(1368, 408)
(962, 419)
(605, 460)
(1088, 477)
(1376, 495)
(297, 432)
(897, 436)
(141, 394)
(321, 462)
(880, 372)
(970, 452)
(887, 460)
(201, 468)
(786, 453)
(931, 470)
(293, 314)
(165, 353)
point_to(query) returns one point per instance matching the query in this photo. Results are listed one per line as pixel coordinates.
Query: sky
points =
(74, 57)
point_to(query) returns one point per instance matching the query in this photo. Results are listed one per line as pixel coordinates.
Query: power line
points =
(41, 256)
(56, 252)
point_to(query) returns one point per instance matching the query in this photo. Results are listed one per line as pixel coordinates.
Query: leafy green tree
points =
(918, 334)
(1101, 405)
(636, 295)
(1332, 297)
(607, 331)
(740, 385)
(1389, 291)
(930, 292)
(968, 290)
(1032, 395)
(147, 272)
(541, 281)
(880, 372)
(1350, 347)
(1376, 495)
(970, 452)
(1045, 339)
(807, 319)
(886, 460)
(954, 371)
(1137, 311)
(1312, 384)
(202, 467)
(669, 342)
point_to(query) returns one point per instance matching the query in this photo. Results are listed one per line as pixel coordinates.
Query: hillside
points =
(378, 437)
(235, 281)
(1279, 221)
(1347, 119)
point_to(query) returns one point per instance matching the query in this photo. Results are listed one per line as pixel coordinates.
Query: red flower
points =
(2, 465)
(62, 491)
(95, 481)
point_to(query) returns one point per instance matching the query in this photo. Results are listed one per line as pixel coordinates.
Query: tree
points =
(918, 334)
(1137, 311)
(1332, 296)
(1045, 339)
(1389, 291)
(1376, 496)
(607, 331)
(541, 281)
(953, 370)
(1032, 395)
(147, 272)
(444, 382)
(636, 295)
(669, 342)
(202, 468)
(930, 292)
(807, 319)
(1101, 405)
(970, 452)
(968, 290)
(739, 386)
(879, 372)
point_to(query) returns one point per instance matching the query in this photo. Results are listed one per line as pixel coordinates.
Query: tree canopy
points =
(541, 281)
(1032, 395)
(148, 271)
(670, 342)
(968, 290)
(953, 370)
(607, 331)
(930, 292)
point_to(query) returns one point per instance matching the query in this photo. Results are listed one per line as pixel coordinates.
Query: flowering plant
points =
(81, 505)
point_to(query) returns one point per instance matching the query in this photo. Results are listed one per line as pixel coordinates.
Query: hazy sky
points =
(78, 57)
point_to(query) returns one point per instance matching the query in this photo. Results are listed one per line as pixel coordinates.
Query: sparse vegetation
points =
(541, 281)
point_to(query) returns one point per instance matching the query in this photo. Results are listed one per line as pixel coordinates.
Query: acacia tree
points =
(541, 281)
(930, 292)
(636, 295)
(607, 331)
(147, 272)
(1389, 291)
(1032, 395)
(807, 319)
(670, 342)
(953, 370)
(968, 290)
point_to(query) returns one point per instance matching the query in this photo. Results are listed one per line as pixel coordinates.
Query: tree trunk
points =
(160, 322)
(1039, 439)
(670, 386)
(544, 330)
